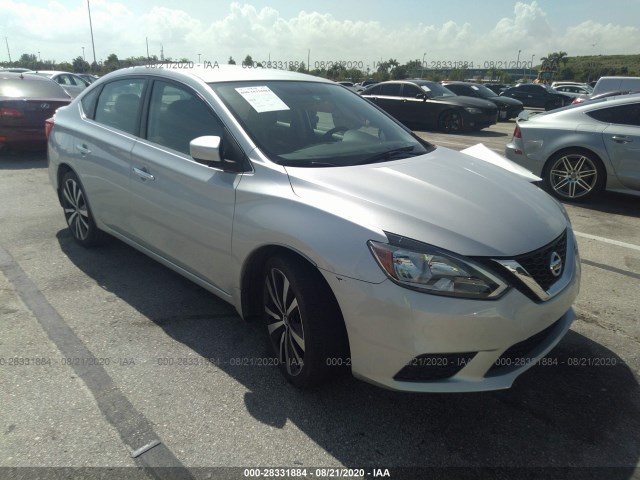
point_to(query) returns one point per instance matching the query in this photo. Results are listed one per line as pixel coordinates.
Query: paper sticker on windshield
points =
(425, 88)
(262, 99)
(473, 87)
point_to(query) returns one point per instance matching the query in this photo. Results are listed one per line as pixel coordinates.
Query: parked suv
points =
(611, 84)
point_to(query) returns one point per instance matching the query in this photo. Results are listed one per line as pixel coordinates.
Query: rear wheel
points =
(450, 121)
(305, 327)
(77, 212)
(574, 175)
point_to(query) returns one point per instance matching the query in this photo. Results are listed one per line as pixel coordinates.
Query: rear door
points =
(103, 143)
(622, 140)
(180, 209)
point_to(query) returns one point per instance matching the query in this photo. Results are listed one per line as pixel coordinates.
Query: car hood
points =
(463, 101)
(506, 101)
(443, 198)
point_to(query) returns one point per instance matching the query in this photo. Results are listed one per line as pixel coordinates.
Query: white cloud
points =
(60, 30)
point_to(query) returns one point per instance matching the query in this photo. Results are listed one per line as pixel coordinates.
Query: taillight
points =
(517, 133)
(10, 113)
(48, 125)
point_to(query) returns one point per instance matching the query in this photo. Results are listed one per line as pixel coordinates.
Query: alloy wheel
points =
(284, 321)
(75, 209)
(573, 176)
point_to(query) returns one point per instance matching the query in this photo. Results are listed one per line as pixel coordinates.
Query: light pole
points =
(91, 28)
(83, 55)
(423, 55)
(199, 57)
(531, 67)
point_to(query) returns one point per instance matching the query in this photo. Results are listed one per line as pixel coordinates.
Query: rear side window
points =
(621, 114)
(119, 103)
(89, 102)
(391, 89)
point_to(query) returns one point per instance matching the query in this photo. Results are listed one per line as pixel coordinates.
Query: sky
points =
(360, 32)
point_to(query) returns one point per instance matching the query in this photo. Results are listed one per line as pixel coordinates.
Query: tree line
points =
(564, 68)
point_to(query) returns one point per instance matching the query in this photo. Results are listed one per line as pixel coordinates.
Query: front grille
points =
(521, 354)
(433, 366)
(537, 263)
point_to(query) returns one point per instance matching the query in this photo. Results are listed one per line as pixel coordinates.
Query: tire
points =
(304, 324)
(575, 175)
(450, 121)
(77, 212)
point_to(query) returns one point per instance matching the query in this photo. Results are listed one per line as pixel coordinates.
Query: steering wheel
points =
(329, 134)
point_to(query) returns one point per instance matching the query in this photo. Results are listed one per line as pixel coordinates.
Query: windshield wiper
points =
(308, 163)
(388, 155)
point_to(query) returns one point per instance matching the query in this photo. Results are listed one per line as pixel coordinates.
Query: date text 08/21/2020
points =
(349, 64)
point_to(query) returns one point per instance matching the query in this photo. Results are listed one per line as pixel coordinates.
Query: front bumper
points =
(480, 120)
(480, 345)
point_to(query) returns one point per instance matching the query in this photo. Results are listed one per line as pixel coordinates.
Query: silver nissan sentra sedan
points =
(360, 246)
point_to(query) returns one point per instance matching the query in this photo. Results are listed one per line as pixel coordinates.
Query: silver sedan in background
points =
(71, 82)
(359, 246)
(582, 149)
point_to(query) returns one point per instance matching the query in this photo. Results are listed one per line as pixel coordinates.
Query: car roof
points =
(48, 72)
(593, 104)
(216, 73)
(20, 75)
(459, 82)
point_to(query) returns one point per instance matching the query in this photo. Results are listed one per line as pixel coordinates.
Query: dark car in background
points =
(26, 101)
(507, 107)
(430, 105)
(537, 95)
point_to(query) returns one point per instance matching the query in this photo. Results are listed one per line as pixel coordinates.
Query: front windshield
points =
(309, 124)
(437, 90)
(484, 91)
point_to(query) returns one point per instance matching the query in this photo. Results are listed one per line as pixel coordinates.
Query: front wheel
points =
(306, 330)
(576, 175)
(450, 121)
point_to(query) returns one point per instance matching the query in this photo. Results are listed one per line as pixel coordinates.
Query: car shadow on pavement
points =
(612, 202)
(582, 409)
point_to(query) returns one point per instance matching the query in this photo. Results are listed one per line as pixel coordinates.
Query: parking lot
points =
(105, 352)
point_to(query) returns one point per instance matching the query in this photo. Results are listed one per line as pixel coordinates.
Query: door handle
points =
(83, 149)
(619, 139)
(143, 174)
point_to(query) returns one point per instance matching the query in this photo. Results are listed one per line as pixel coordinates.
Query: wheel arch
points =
(251, 276)
(63, 169)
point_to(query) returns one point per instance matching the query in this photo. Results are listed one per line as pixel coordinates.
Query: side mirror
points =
(206, 150)
(421, 96)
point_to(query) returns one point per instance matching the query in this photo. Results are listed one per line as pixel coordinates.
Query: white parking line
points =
(608, 240)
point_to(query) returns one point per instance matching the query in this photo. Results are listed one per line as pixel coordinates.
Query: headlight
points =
(426, 268)
(473, 110)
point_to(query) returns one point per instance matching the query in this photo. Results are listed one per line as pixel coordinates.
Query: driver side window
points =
(177, 116)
